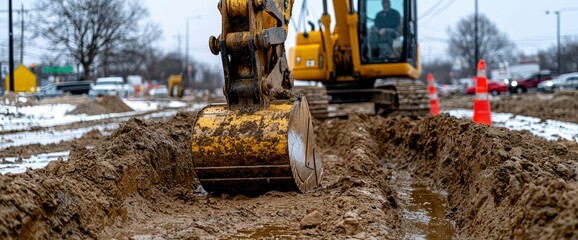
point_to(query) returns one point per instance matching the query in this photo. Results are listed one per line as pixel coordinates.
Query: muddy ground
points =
(561, 106)
(139, 183)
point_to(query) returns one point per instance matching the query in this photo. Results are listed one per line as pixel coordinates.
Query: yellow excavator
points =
(262, 138)
(176, 86)
(371, 55)
(179, 82)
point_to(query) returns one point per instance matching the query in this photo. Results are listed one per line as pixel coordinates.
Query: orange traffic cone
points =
(434, 104)
(482, 112)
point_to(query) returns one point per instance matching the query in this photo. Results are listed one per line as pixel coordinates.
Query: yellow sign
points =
(25, 80)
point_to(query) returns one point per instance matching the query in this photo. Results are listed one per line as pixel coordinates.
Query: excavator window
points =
(383, 34)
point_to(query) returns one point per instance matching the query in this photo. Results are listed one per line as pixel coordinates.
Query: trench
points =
(422, 208)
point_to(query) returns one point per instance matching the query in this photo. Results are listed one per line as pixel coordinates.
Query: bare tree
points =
(86, 28)
(160, 66)
(212, 77)
(494, 46)
(440, 69)
(568, 55)
(130, 57)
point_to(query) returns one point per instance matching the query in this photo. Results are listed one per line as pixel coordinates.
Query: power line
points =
(440, 10)
(427, 12)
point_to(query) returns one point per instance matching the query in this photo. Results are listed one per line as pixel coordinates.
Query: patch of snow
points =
(14, 165)
(548, 129)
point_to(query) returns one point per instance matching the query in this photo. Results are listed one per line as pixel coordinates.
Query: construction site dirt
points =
(385, 178)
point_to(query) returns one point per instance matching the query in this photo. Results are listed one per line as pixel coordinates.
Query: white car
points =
(567, 81)
(111, 86)
(159, 91)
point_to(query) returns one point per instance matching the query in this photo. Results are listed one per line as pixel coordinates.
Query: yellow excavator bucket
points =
(270, 149)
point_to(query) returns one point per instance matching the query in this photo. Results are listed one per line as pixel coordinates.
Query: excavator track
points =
(412, 98)
(318, 100)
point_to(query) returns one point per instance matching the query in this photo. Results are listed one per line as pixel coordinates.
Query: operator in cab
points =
(385, 30)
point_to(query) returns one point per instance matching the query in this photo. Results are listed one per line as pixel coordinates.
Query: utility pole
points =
(178, 37)
(187, 45)
(476, 44)
(10, 46)
(558, 33)
(187, 40)
(22, 34)
(559, 56)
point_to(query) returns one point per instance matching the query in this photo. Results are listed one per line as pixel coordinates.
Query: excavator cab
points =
(388, 31)
(370, 54)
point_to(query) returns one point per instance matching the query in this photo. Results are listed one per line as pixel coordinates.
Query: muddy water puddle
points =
(423, 209)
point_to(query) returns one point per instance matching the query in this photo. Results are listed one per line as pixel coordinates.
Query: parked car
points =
(529, 82)
(564, 81)
(494, 87)
(159, 91)
(111, 86)
(59, 89)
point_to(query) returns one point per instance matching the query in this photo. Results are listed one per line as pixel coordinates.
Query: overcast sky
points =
(525, 21)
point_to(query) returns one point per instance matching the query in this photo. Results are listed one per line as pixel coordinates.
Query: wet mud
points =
(469, 181)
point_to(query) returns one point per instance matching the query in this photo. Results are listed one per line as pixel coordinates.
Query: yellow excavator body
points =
(358, 60)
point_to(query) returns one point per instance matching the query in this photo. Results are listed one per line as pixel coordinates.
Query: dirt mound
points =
(561, 106)
(139, 165)
(501, 184)
(66, 99)
(14, 99)
(102, 105)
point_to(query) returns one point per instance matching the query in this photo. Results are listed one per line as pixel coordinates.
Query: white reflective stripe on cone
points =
(482, 73)
(482, 96)
(433, 96)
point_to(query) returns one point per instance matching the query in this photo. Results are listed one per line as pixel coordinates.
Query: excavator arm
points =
(262, 139)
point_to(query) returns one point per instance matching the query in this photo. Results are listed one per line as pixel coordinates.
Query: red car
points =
(494, 88)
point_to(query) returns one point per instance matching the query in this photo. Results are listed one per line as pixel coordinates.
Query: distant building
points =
(25, 80)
